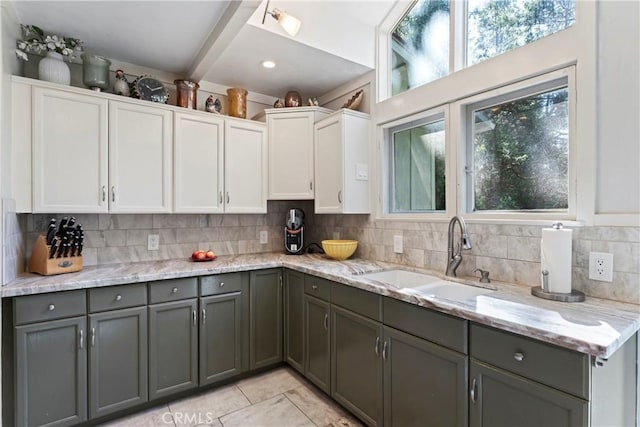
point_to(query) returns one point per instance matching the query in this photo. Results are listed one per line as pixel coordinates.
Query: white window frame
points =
(465, 195)
(386, 177)
(574, 46)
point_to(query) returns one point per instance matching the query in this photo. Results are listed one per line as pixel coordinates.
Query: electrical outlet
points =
(264, 237)
(397, 244)
(336, 235)
(601, 266)
(153, 242)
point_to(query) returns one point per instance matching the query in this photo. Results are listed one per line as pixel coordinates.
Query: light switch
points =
(362, 172)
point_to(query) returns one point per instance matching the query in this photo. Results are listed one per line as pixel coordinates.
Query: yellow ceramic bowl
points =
(339, 249)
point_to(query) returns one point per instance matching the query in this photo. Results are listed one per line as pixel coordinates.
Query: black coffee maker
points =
(294, 231)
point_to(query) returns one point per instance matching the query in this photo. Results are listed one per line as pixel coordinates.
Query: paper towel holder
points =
(541, 291)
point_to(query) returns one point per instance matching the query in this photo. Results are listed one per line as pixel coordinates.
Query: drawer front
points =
(115, 297)
(362, 302)
(428, 324)
(173, 290)
(220, 284)
(54, 305)
(551, 365)
(317, 287)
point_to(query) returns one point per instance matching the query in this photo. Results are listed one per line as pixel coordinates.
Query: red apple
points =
(210, 254)
(201, 255)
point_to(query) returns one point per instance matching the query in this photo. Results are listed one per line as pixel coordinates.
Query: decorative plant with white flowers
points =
(35, 40)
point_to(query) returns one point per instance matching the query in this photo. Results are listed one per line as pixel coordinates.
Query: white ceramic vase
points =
(53, 69)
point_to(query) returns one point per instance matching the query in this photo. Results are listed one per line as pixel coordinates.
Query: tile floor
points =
(280, 397)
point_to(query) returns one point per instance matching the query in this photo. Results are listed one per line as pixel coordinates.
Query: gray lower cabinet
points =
(173, 347)
(117, 360)
(265, 313)
(499, 398)
(51, 373)
(422, 381)
(356, 365)
(318, 342)
(220, 337)
(294, 319)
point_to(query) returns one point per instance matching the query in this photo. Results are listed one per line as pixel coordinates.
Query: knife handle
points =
(52, 250)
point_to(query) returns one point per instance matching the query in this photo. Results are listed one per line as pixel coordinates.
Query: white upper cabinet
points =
(245, 167)
(198, 163)
(341, 152)
(69, 152)
(140, 158)
(291, 151)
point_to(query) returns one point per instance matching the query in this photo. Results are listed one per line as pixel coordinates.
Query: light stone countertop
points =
(596, 326)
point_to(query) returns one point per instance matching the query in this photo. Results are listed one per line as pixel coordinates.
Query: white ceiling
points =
(224, 42)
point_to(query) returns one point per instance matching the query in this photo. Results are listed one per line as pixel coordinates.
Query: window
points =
(518, 150)
(437, 37)
(497, 26)
(420, 45)
(417, 157)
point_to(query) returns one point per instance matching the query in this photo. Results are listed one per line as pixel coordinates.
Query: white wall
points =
(618, 109)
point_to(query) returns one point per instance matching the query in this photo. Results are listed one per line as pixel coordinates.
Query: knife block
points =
(41, 263)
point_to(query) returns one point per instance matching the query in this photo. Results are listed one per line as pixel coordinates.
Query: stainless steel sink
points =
(426, 285)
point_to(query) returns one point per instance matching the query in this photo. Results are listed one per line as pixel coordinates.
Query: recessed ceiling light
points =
(268, 64)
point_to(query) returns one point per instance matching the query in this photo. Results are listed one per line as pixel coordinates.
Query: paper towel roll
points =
(555, 249)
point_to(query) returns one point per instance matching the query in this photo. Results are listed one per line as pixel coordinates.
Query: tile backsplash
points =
(510, 252)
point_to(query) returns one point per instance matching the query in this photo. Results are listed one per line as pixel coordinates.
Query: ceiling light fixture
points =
(289, 23)
(268, 64)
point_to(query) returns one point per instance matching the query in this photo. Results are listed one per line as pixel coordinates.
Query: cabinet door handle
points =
(227, 197)
(195, 322)
(221, 284)
(519, 356)
(326, 322)
(340, 196)
(113, 194)
(93, 337)
(104, 193)
(473, 391)
(314, 287)
(220, 196)
(384, 350)
(81, 339)
(51, 307)
(310, 185)
(280, 279)
(174, 290)
(118, 297)
(204, 316)
(377, 347)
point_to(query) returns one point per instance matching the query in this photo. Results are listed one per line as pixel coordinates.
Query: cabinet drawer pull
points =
(81, 339)
(314, 287)
(310, 185)
(221, 284)
(195, 322)
(104, 193)
(220, 197)
(519, 356)
(385, 346)
(340, 196)
(93, 337)
(118, 297)
(326, 322)
(51, 307)
(204, 316)
(227, 197)
(473, 391)
(113, 194)
(377, 347)
(174, 290)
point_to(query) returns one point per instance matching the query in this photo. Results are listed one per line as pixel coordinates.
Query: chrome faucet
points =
(454, 259)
